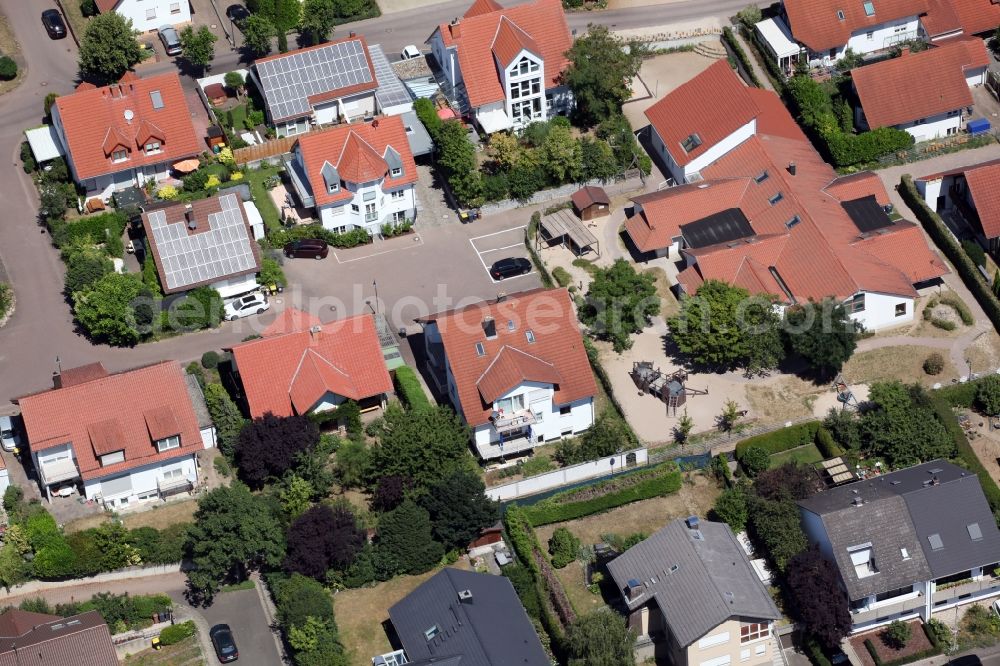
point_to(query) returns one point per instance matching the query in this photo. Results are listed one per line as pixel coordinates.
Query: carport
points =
(44, 142)
(565, 228)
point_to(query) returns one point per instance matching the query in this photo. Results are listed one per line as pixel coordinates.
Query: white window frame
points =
(396, 172)
(175, 8)
(153, 147)
(756, 631)
(168, 443)
(171, 474)
(711, 641)
(150, 13)
(397, 195)
(511, 404)
(120, 155)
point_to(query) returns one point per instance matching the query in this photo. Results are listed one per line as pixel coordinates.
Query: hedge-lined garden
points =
(409, 389)
(623, 489)
(353, 238)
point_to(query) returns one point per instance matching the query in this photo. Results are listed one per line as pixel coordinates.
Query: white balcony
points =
(59, 470)
(517, 420)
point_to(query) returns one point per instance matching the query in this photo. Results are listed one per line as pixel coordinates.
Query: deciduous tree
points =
(106, 310)
(987, 399)
(818, 600)
(424, 446)
(323, 538)
(233, 532)
(258, 31)
(902, 428)
(776, 526)
(601, 70)
(318, 19)
(84, 268)
(267, 447)
(823, 334)
(791, 481)
(108, 48)
(600, 638)
(620, 302)
(731, 508)
(562, 155)
(198, 46)
(390, 491)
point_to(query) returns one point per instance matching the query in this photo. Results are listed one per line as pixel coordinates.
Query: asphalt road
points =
(41, 330)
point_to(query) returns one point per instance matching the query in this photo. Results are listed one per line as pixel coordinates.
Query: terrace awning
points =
(44, 143)
(778, 37)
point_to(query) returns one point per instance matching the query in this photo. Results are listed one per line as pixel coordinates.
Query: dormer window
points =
(334, 187)
(167, 443)
(863, 559)
(112, 458)
(119, 155)
(396, 172)
(840, 14)
(152, 147)
(690, 143)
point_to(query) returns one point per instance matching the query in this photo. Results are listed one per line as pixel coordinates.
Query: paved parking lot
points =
(243, 611)
(443, 269)
(498, 245)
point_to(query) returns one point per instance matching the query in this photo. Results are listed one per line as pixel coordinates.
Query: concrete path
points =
(762, 76)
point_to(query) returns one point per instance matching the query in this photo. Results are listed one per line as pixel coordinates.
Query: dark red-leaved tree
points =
(817, 597)
(267, 446)
(791, 481)
(390, 491)
(321, 539)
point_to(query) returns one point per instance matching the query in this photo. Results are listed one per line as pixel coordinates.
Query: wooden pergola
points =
(565, 227)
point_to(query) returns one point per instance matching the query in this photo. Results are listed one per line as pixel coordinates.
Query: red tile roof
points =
(588, 196)
(107, 414)
(557, 355)
(290, 320)
(82, 374)
(919, 85)
(482, 7)
(983, 186)
(816, 23)
(712, 105)
(543, 22)
(94, 123)
(15, 621)
(804, 241)
(977, 16)
(288, 373)
(941, 18)
(357, 152)
(105, 6)
(510, 40)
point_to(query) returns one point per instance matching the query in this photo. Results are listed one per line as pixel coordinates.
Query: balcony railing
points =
(866, 616)
(509, 447)
(973, 588)
(503, 424)
(168, 487)
(60, 470)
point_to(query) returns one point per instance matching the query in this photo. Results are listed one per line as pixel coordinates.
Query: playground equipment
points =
(845, 396)
(670, 388)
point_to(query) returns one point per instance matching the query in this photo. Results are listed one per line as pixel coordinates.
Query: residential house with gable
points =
(691, 594)
(207, 242)
(503, 66)
(125, 134)
(319, 85)
(927, 94)
(907, 544)
(359, 176)
(41, 639)
(515, 369)
(969, 194)
(463, 617)
(125, 439)
(148, 15)
(757, 207)
(301, 366)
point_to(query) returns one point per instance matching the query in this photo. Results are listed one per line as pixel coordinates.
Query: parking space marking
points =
(505, 247)
(481, 253)
(417, 242)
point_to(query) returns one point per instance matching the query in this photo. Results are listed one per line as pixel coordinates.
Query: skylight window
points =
(975, 533)
(530, 335)
(480, 349)
(510, 324)
(432, 632)
(761, 177)
(840, 14)
(690, 143)
(793, 222)
(905, 553)
(776, 198)
(869, 9)
(935, 541)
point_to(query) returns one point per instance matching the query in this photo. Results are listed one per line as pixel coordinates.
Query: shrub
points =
(210, 360)
(662, 480)
(754, 460)
(8, 68)
(562, 276)
(964, 313)
(782, 439)
(826, 444)
(271, 273)
(167, 192)
(988, 396)
(88, 8)
(975, 252)
(222, 466)
(175, 633)
(348, 239)
(409, 389)
(28, 162)
(898, 634)
(934, 364)
(563, 546)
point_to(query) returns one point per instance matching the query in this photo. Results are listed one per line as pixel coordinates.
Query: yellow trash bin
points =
(156, 642)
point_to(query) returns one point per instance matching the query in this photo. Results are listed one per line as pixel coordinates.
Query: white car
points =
(409, 52)
(244, 306)
(9, 439)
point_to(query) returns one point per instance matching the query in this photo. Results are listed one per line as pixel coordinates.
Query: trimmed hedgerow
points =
(409, 389)
(781, 440)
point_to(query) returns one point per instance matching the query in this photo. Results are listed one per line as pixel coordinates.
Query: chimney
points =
(315, 329)
(501, 296)
(490, 328)
(192, 224)
(691, 522)
(791, 168)
(465, 596)
(634, 589)
(935, 481)
(352, 34)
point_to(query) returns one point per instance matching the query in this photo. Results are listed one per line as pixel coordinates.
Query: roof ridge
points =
(490, 366)
(521, 351)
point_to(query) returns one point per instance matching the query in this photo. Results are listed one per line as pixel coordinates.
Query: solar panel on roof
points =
(722, 227)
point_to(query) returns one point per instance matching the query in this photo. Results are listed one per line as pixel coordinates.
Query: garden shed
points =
(591, 202)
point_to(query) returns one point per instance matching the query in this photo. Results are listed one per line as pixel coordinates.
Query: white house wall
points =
(552, 424)
(447, 58)
(149, 15)
(880, 311)
(144, 480)
(975, 77)
(208, 438)
(681, 173)
(935, 127)
(343, 217)
(236, 286)
(884, 36)
(326, 113)
(4, 480)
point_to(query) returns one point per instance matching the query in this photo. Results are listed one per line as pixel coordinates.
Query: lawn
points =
(360, 614)
(694, 498)
(160, 516)
(10, 47)
(255, 178)
(573, 579)
(783, 399)
(807, 455)
(186, 653)
(77, 21)
(903, 363)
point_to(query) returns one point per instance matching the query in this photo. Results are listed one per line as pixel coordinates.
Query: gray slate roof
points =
(490, 628)
(712, 582)
(903, 510)
(198, 401)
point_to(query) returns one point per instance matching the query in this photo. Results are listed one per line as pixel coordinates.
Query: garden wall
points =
(630, 184)
(566, 475)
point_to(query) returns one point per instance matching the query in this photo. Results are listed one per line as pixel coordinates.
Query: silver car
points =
(9, 439)
(171, 41)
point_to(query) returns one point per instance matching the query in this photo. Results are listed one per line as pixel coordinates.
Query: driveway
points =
(243, 611)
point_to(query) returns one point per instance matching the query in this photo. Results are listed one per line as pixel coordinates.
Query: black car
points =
(238, 14)
(309, 248)
(54, 24)
(225, 646)
(967, 660)
(510, 267)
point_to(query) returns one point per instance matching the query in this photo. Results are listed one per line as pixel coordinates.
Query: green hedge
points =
(730, 38)
(959, 395)
(409, 389)
(966, 455)
(529, 238)
(781, 440)
(952, 250)
(551, 510)
(175, 633)
(521, 537)
(353, 238)
(815, 652)
(106, 227)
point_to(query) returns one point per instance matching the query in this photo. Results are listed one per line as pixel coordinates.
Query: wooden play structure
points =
(670, 388)
(845, 396)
